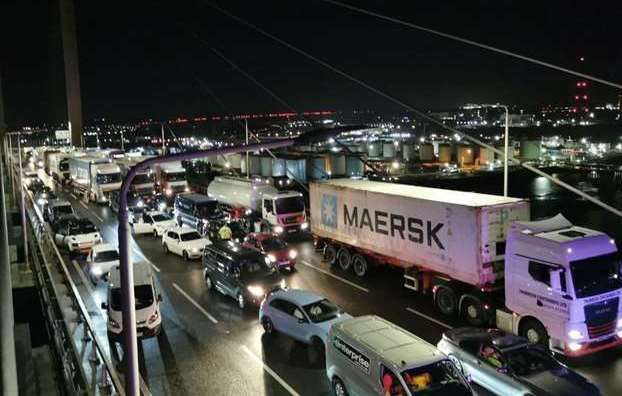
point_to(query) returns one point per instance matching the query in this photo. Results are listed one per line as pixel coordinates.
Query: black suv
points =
(239, 272)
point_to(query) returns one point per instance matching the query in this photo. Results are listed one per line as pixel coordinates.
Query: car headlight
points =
(195, 250)
(140, 204)
(248, 212)
(169, 192)
(255, 290)
(292, 254)
(187, 189)
(278, 229)
(304, 226)
(272, 258)
(575, 334)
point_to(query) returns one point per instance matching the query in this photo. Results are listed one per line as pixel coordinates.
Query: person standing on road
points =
(225, 232)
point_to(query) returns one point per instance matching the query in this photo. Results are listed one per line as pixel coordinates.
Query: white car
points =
(154, 222)
(185, 242)
(101, 260)
(78, 235)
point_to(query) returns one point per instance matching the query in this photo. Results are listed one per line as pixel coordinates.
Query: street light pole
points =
(506, 144)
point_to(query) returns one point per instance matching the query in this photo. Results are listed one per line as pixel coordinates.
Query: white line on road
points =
(196, 304)
(98, 218)
(269, 371)
(84, 205)
(431, 319)
(73, 195)
(334, 276)
(155, 267)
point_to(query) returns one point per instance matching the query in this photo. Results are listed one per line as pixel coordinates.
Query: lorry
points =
(57, 165)
(277, 211)
(95, 177)
(171, 178)
(479, 257)
(143, 183)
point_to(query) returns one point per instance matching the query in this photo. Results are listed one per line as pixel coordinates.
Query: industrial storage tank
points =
(465, 155)
(374, 149)
(444, 152)
(362, 147)
(486, 156)
(388, 150)
(354, 166)
(316, 168)
(278, 167)
(254, 164)
(337, 164)
(426, 152)
(266, 166)
(234, 160)
(296, 169)
(408, 152)
(530, 150)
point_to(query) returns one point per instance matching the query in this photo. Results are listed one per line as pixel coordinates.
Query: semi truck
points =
(171, 178)
(95, 177)
(479, 257)
(277, 211)
(143, 183)
(57, 165)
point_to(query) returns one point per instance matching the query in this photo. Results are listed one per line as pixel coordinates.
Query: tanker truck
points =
(479, 257)
(277, 211)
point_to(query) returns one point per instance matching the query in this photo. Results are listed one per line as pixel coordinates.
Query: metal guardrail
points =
(86, 366)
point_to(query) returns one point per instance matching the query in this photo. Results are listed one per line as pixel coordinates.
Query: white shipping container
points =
(456, 233)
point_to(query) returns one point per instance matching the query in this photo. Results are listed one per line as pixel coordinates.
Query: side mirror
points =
(104, 305)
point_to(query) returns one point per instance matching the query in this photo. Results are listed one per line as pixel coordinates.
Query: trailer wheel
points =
(359, 264)
(473, 311)
(330, 254)
(344, 258)
(534, 331)
(446, 301)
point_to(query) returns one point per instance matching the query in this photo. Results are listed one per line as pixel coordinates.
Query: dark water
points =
(547, 198)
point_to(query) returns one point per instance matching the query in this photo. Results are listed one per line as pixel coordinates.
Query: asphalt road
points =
(209, 346)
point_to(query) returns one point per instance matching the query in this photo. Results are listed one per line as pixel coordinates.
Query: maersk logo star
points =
(329, 210)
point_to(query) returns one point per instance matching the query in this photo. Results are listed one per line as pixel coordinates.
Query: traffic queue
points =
(246, 256)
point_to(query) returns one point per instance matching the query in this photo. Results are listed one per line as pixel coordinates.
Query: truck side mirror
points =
(556, 279)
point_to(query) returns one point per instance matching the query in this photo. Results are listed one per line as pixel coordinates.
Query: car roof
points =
(196, 197)
(395, 345)
(182, 230)
(142, 275)
(103, 247)
(235, 249)
(298, 296)
(499, 338)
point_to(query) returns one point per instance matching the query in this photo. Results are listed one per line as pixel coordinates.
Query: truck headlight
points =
(278, 229)
(272, 258)
(575, 334)
(187, 189)
(292, 254)
(304, 226)
(574, 346)
(255, 290)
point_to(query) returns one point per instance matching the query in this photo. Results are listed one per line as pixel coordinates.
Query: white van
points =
(369, 355)
(148, 316)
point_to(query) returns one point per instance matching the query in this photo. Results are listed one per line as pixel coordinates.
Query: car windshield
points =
(289, 205)
(272, 243)
(440, 378)
(143, 296)
(596, 275)
(106, 255)
(82, 227)
(142, 178)
(106, 178)
(160, 217)
(528, 360)
(321, 311)
(63, 210)
(175, 176)
(207, 209)
(189, 236)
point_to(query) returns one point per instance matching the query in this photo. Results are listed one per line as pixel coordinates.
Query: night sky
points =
(152, 58)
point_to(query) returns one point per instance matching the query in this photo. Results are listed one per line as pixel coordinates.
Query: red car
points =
(273, 247)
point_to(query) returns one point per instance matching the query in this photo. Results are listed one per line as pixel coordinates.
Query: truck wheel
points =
(446, 301)
(359, 264)
(344, 258)
(330, 254)
(473, 311)
(339, 389)
(534, 331)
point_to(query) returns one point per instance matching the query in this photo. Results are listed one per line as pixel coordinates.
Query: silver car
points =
(302, 315)
(507, 364)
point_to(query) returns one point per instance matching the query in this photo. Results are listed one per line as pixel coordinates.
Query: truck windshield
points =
(596, 275)
(106, 178)
(440, 378)
(207, 209)
(142, 178)
(175, 176)
(290, 205)
(143, 296)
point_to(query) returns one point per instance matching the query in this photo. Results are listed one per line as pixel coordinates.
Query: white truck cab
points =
(147, 300)
(562, 283)
(284, 211)
(171, 178)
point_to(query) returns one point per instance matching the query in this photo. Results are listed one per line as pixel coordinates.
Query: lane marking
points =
(268, 370)
(73, 195)
(334, 276)
(98, 218)
(84, 205)
(196, 304)
(431, 319)
(155, 267)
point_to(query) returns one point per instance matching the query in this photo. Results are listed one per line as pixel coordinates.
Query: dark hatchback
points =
(239, 272)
